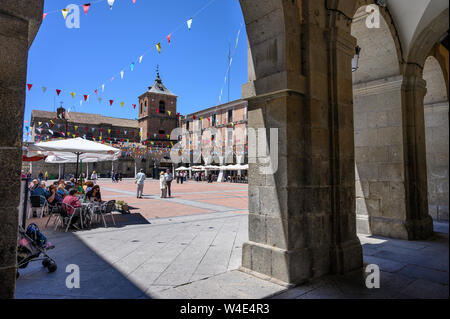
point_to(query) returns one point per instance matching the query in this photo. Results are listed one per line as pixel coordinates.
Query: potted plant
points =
(119, 205)
(122, 206)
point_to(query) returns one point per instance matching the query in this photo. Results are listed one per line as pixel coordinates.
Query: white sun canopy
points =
(76, 146)
(182, 168)
(61, 158)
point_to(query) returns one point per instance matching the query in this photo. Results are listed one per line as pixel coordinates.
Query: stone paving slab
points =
(197, 256)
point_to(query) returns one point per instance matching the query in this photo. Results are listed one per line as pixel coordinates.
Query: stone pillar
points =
(418, 222)
(302, 222)
(19, 22)
(345, 247)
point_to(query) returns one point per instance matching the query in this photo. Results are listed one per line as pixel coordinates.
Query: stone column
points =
(418, 222)
(302, 222)
(345, 247)
(19, 21)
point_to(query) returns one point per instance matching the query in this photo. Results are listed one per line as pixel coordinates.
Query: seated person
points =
(79, 188)
(41, 191)
(33, 185)
(55, 197)
(88, 186)
(70, 184)
(62, 190)
(73, 201)
(94, 194)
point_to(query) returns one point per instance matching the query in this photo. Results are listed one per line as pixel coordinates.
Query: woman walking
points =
(163, 185)
(94, 177)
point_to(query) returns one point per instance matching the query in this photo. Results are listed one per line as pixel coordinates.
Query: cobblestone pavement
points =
(190, 246)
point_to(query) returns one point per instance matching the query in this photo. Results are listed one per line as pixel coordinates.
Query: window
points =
(187, 125)
(213, 121)
(162, 107)
(140, 109)
(145, 106)
(230, 115)
(230, 137)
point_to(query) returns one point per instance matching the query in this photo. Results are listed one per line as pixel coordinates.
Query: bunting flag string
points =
(86, 7)
(169, 37)
(230, 63)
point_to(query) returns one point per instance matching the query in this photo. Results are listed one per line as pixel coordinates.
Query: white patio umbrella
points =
(212, 167)
(70, 151)
(61, 158)
(182, 168)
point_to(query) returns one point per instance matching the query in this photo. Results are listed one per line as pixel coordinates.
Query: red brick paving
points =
(228, 195)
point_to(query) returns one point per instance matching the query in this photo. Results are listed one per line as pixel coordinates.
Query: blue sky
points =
(193, 66)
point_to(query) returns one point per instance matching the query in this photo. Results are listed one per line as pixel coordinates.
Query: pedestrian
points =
(163, 185)
(94, 177)
(116, 177)
(46, 175)
(169, 179)
(177, 174)
(182, 177)
(113, 176)
(140, 179)
(40, 177)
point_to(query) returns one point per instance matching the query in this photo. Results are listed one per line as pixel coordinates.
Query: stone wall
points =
(378, 129)
(437, 139)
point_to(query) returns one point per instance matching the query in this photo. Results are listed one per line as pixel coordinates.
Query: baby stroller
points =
(32, 243)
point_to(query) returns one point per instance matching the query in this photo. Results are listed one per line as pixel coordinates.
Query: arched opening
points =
(437, 138)
(377, 108)
(162, 107)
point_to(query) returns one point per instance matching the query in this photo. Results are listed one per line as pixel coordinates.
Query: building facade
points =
(216, 135)
(62, 124)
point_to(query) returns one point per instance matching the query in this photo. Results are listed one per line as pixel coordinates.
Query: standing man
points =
(94, 177)
(140, 178)
(169, 179)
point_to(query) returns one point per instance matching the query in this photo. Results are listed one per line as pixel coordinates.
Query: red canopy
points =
(33, 159)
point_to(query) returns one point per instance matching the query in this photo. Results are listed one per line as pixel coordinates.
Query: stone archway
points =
(420, 223)
(437, 135)
(377, 108)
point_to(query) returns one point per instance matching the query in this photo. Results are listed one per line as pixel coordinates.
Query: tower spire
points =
(158, 78)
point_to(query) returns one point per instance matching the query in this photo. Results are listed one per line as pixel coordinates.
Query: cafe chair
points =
(107, 208)
(55, 211)
(38, 203)
(78, 211)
